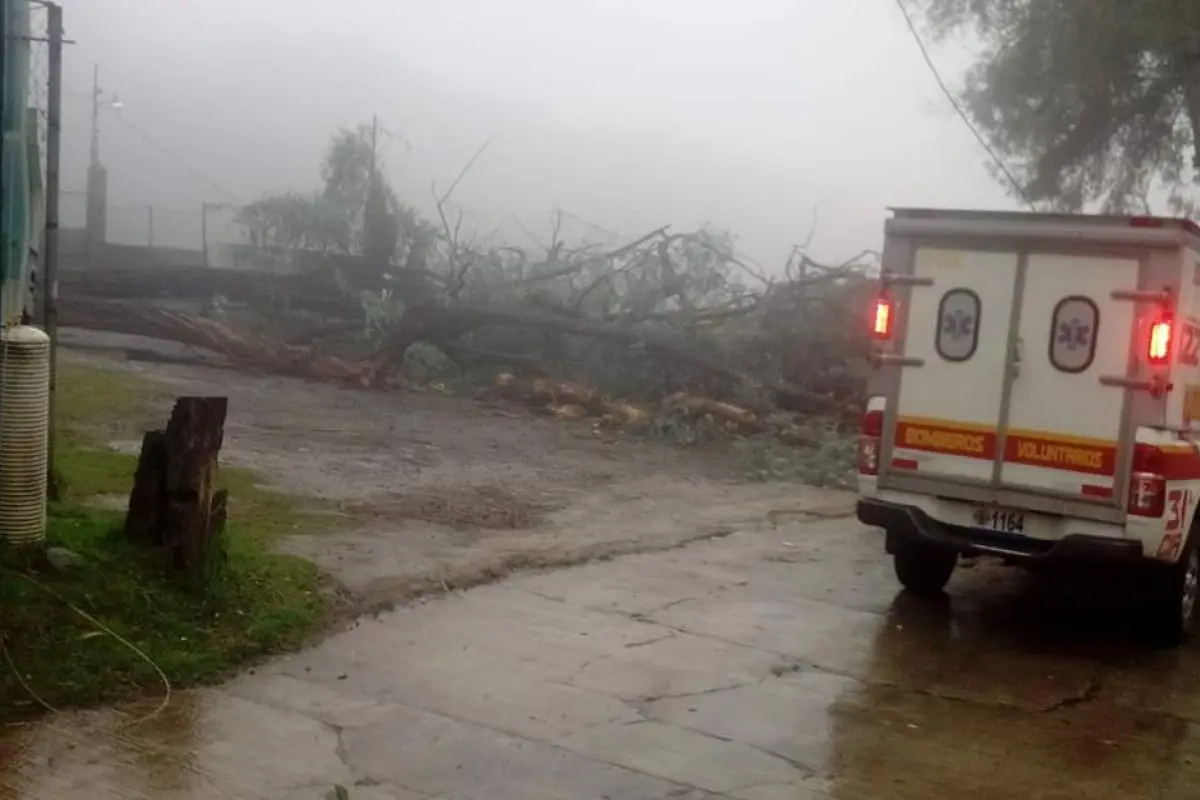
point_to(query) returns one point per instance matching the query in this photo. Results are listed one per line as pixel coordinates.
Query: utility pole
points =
(370, 221)
(92, 222)
(150, 226)
(367, 221)
(97, 177)
(95, 157)
(50, 278)
(374, 143)
(204, 232)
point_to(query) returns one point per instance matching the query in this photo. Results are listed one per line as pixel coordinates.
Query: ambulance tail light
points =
(881, 321)
(870, 435)
(1147, 486)
(1146, 222)
(1159, 349)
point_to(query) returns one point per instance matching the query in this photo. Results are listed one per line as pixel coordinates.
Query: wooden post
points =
(144, 519)
(174, 503)
(194, 437)
(49, 279)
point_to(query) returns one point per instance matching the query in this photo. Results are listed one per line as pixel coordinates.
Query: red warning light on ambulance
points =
(1159, 350)
(882, 327)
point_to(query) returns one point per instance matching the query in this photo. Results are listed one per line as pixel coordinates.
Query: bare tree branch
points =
(463, 172)
(621, 251)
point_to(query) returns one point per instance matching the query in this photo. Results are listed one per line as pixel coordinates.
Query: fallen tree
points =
(245, 350)
(663, 314)
(431, 323)
(701, 342)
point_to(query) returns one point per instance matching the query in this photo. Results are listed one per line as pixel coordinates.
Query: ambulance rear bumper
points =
(907, 525)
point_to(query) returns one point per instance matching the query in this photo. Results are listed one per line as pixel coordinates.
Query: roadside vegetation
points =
(93, 618)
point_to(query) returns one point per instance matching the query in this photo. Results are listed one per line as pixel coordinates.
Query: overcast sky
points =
(629, 114)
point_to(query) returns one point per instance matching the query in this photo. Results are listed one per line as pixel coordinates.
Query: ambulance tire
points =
(924, 571)
(1172, 598)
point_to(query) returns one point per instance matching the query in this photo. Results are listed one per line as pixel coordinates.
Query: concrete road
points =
(776, 663)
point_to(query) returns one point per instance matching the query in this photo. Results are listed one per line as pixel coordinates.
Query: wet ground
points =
(714, 641)
(775, 662)
(399, 464)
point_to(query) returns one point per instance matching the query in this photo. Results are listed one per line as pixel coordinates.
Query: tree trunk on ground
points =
(435, 323)
(427, 323)
(244, 350)
(174, 503)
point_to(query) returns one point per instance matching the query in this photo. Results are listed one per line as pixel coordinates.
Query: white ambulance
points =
(1036, 396)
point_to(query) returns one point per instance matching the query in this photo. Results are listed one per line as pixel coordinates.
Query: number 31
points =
(1179, 501)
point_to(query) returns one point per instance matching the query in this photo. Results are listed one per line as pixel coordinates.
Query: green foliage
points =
(827, 459)
(821, 453)
(1091, 100)
(426, 363)
(262, 603)
(680, 428)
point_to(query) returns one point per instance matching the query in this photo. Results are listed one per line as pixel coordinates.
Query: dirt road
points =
(445, 491)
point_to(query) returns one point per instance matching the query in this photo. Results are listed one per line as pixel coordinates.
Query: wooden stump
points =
(174, 503)
(143, 521)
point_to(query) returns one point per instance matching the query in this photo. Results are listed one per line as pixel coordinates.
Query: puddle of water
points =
(203, 745)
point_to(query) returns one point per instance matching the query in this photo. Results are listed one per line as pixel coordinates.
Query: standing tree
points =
(356, 212)
(1093, 101)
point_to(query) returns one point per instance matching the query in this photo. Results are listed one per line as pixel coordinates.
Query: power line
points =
(962, 114)
(174, 157)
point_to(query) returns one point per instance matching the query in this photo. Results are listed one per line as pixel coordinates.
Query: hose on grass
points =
(100, 626)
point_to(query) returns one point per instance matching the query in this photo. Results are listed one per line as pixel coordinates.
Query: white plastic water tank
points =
(24, 423)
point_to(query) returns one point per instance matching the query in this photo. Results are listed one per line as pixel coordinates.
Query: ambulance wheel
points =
(1172, 598)
(924, 570)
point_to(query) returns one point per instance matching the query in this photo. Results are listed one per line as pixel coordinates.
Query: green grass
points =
(259, 602)
(90, 399)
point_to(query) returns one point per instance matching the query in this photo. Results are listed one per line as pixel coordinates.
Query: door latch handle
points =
(1018, 357)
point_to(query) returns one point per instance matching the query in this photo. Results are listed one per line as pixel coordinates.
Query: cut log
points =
(700, 406)
(144, 519)
(194, 437)
(624, 413)
(174, 504)
(570, 412)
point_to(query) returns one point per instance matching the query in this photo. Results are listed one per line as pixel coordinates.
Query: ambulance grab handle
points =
(889, 360)
(1156, 387)
(892, 279)
(1161, 297)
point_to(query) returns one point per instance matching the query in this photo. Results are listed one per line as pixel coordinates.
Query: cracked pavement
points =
(774, 663)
